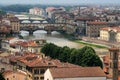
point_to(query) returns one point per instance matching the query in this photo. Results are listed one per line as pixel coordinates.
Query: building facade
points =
(11, 75)
(110, 34)
(93, 28)
(37, 11)
(82, 24)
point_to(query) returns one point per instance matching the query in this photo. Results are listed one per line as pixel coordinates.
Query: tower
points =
(79, 11)
(114, 53)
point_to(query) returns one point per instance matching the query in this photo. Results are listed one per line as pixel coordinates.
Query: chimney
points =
(114, 53)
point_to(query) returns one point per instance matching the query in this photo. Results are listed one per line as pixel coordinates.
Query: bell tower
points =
(114, 53)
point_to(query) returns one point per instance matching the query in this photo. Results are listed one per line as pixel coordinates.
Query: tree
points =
(83, 50)
(95, 61)
(65, 55)
(1, 77)
(73, 56)
(85, 56)
(51, 50)
(89, 57)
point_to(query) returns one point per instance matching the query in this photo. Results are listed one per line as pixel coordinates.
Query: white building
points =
(37, 11)
(81, 73)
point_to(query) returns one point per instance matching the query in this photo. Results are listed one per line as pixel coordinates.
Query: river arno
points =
(57, 39)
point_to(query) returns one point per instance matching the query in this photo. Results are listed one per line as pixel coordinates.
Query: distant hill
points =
(24, 8)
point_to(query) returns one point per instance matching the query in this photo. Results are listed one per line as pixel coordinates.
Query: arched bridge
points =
(49, 27)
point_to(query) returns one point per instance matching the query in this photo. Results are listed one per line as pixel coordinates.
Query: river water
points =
(57, 39)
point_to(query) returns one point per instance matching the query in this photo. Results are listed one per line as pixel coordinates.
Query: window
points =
(36, 78)
(42, 78)
(29, 76)
(7, 78)
(36, 71)
(42, 71)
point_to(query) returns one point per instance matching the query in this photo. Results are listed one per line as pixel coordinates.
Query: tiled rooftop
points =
(77, 72)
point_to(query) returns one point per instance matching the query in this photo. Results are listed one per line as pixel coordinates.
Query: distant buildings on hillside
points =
(37, 11)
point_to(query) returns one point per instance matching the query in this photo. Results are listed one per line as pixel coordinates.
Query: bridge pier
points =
(49, 32)
(31, 32)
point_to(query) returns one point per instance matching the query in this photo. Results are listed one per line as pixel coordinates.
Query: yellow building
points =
(9, 15)
(13, 75)
(15, 23)
(111, 34)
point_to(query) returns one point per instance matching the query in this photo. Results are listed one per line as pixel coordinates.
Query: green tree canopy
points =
(85, 56)
(65, 55)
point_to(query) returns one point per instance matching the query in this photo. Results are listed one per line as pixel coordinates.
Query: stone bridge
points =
(49, 27)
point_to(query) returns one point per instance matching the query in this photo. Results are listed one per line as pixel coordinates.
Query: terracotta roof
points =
(97, 23)
(113, 49)
(50, 8)
(111, 28)
(19, 56)
(36, 61)
(7, 73)
(87, 18)
(31, 43)
(77, 72)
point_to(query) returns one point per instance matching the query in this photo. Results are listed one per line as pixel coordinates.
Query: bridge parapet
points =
(46, 26)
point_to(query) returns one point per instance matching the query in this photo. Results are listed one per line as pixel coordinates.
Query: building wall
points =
(15, 26)
(5, 45)
(5, 66)
(83, 78)
(39, 74)
(39, 12)
(15, 76)
(70, 29)
(34, 49)
(104, 35)
(118, 37)
(94, 30)
(47, 75)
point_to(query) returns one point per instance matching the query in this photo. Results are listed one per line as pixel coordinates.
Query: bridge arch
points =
(36, 22)
(25, 21)
(40, 31)
(44, 22)
(45, 32)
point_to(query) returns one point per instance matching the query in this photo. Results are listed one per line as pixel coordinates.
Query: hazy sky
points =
(58, 1)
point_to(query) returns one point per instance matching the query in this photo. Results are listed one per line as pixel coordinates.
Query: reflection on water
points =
(55, 38)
